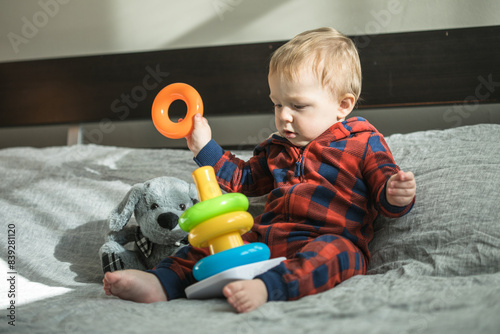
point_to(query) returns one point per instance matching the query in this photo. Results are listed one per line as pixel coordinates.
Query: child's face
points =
(303, 109)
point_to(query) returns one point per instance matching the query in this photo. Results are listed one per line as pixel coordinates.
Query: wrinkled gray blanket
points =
(436, 270)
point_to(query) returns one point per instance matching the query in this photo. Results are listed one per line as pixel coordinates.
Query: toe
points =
(227, 292)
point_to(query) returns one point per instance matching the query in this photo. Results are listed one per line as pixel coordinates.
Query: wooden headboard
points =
(454, 66)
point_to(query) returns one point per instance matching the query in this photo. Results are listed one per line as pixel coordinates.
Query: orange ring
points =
(161, 103)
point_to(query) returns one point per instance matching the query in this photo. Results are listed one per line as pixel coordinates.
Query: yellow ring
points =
(207, 209)
(240, 222)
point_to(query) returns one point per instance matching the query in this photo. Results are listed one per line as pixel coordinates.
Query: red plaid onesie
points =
(323, 199)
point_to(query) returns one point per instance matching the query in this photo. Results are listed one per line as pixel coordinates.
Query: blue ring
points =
(230, 258)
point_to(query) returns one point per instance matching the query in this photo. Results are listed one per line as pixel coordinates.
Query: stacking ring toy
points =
(161, 103)
(234, 257)
(217, 222)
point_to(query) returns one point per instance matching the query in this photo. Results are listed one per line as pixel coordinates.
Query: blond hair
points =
(333, 57)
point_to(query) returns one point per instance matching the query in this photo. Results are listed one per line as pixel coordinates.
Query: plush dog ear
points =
(120, 216)
(193, 193)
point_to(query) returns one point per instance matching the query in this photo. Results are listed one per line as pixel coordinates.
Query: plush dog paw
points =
(111, 262)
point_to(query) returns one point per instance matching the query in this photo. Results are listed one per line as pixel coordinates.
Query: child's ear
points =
(346, 105)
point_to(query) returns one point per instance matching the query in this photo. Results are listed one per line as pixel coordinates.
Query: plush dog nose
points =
(168, 220)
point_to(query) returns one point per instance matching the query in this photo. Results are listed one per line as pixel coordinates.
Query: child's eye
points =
(276, 108)
(299, 106)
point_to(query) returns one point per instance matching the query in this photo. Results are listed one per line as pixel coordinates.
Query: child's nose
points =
(286, 114)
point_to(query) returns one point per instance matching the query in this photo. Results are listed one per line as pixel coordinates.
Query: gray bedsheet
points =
(436, 270)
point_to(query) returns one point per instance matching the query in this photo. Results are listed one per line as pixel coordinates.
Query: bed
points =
(435, 270)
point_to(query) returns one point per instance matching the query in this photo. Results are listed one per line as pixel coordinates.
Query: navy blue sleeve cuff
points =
(170, 281)
(209, 154)
(276, 287)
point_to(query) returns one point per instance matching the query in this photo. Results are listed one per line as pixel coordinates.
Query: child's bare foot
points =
(134, 285)
(246, 296)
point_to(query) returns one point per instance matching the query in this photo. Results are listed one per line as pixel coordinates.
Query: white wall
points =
(33, 29)
(37, 29)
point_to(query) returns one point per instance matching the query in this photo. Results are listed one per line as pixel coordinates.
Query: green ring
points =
(212, 207)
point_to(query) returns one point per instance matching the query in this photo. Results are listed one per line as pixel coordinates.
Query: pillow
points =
(454, 227)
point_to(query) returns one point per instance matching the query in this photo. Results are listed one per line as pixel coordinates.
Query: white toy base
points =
(212, 287)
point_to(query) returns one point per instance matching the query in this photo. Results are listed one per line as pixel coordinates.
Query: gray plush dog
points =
(157, 205)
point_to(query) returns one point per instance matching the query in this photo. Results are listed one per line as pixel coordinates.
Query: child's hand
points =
(401, 188)
(201, 135)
